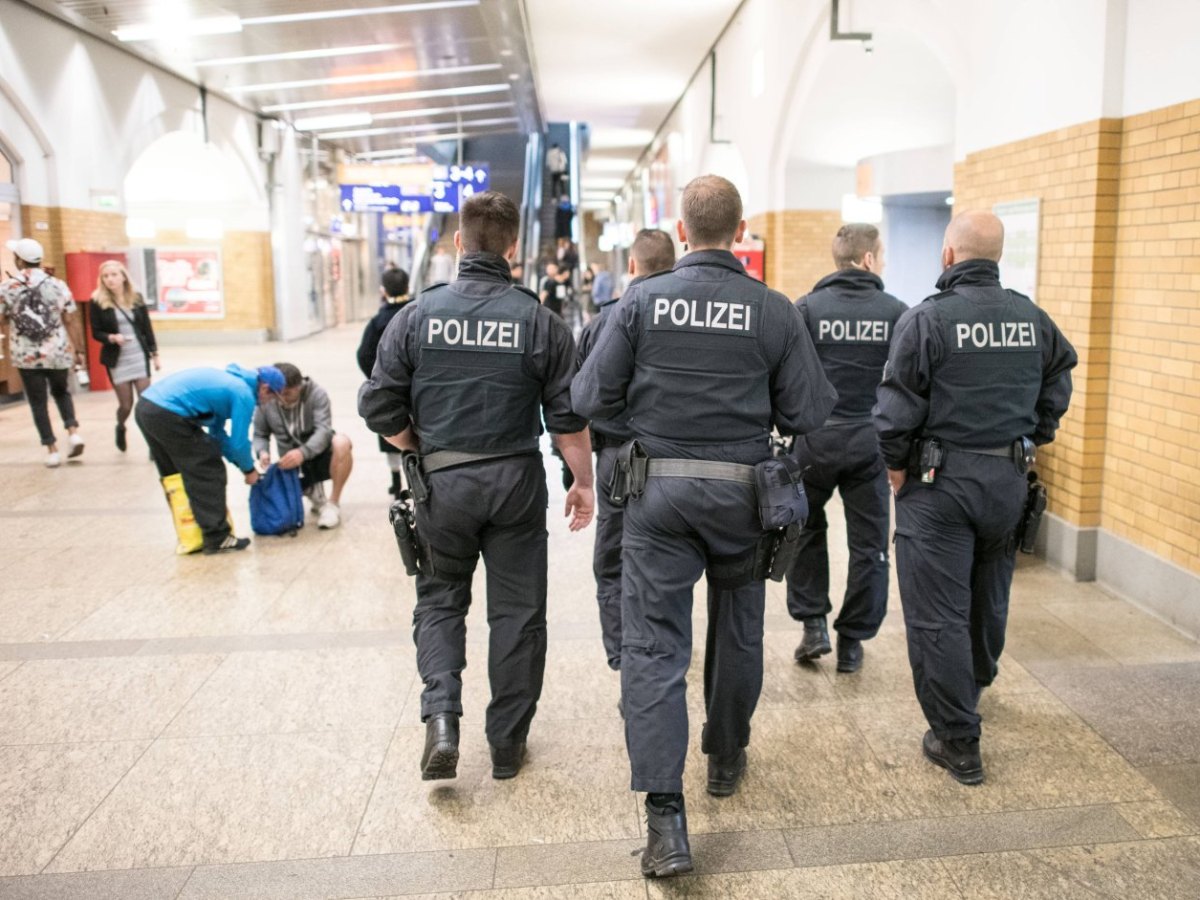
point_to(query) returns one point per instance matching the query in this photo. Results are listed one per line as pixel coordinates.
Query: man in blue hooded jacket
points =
(183, 418)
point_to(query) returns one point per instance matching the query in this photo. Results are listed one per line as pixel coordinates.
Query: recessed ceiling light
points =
(356, 11)
(420, 113)
(297, 54)
(514, 76)
(506, 52)
(390, 98)
(364, 79)
(337, 120)
(609, 164)
(404, 129)
(611, 138)
(168, 28)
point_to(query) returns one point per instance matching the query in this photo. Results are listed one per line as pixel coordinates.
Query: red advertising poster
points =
(751, 253)
(189, 283)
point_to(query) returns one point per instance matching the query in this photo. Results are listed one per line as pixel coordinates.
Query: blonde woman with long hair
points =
(121, 324)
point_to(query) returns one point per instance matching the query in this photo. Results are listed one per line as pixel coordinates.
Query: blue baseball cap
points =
(272, 378)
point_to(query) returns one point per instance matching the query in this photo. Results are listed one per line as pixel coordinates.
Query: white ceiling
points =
(863, 104)
(619, 66)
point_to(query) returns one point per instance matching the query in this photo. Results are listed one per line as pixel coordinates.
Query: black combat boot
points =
(507, 761)
(440, 759)
(667, 849)
(849, 654)
(816, 640)
(958, 757)
(724, 773)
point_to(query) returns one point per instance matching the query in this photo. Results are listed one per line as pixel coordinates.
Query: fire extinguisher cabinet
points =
(83, 274)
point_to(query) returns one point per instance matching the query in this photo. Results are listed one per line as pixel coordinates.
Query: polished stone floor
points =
(247, 726)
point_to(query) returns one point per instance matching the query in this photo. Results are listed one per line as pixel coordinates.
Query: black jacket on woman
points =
(104, 323)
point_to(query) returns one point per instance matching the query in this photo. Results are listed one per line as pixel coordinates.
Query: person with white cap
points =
(40, 316)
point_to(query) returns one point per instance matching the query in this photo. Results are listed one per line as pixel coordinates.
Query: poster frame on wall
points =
(162, 309)
(1022, 237)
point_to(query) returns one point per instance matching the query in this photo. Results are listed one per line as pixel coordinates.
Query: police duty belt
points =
(699, 468)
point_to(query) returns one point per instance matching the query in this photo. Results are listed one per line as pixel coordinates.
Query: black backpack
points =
(33, 317)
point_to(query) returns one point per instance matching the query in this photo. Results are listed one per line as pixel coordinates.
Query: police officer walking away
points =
(851, 320)
(652, 252)
(703, 359)
(976, 376)
(463, 376)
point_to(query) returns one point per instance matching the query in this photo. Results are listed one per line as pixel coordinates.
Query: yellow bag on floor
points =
(191, 538)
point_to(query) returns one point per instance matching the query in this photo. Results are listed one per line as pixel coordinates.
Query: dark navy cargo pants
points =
(955, 563)
(606, 557)
(677, 530)
(495, 508)
(843, 458)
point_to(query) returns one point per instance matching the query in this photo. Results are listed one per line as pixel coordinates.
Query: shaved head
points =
(975, 234)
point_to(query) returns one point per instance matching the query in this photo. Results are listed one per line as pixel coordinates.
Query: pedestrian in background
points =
(121, 325)
(40, 312)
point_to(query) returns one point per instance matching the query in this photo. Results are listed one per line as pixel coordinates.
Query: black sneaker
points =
(816, 640)
(121, 443)
(667, 849)
(507, 761)
(849, 654)
(230, 543)
(958, 757)
(724, 773)
(440, 759)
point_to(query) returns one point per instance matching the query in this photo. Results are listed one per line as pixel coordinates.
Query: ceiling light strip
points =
(405, 129)
(390, 98)
(364, 79)
(349, 13)
(296, 54)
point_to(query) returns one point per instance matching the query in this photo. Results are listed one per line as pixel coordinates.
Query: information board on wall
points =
(188, 282)
(1022, 229)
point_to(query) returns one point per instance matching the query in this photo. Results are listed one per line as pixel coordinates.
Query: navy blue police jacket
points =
(604, 431)
(474, 366)
(976, 366)
(851, 320)
(705, 360)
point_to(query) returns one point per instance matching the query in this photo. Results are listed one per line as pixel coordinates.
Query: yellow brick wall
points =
(798, 246)
(248, 280)
(1074, 172)
(1151, 462)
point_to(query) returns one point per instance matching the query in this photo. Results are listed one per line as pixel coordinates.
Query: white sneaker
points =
(330, 516)
(76, 446)
(53, 460)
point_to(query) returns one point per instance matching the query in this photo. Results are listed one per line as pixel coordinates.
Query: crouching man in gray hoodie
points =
(301, 422)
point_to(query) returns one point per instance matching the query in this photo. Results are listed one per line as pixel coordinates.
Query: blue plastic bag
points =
(275, 502)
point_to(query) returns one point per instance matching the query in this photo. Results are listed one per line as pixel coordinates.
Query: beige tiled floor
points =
(247, 726)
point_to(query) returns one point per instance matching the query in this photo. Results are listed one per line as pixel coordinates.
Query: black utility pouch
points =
(930, 459)
(418, 482)
(404, 524)
(779, 488)
(629, 474)
(1024, 455)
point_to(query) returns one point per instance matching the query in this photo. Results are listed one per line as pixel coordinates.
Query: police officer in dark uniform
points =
(464, 376)
(976, 375)
(652, 252)
(851, 320)
(704, 359)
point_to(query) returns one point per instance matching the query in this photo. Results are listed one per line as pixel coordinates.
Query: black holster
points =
(404, 524)
(1031, 515)
(776, 552)
(629, 474)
